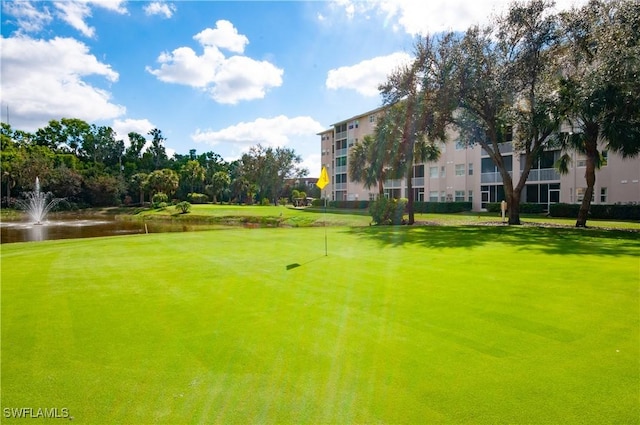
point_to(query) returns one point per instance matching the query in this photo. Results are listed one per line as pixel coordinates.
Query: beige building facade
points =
(468, 173)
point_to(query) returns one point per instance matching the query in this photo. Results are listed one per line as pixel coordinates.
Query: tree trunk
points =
(141, 197)
(412, 217)
(591, 148)
(513, 204)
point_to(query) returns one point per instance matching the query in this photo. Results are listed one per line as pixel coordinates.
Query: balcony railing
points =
(341, 152)
(502, 147)
(392, 183)
(341, 135)
(339, 186)
(492, 177)
(340, 169)
(417, 181)
(543, 174)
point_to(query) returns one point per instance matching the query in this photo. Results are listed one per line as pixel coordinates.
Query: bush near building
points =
(614, 211)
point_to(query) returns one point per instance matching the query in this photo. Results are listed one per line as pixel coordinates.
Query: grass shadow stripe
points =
(530, 326)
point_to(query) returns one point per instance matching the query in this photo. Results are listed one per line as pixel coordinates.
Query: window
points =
(470, 168)
(604, 158)
(433, 196)
(470, 196)
(372, 118)
(341, 161)
(459, 169)
(603, 195)
(443, 172)
(443, 196)
(418, 170)
(460, 145)
(580, 194)
(433, 173)
(508, 134)
(341, 178)
(459, 195)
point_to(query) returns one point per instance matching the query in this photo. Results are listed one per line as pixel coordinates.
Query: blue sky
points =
(213, 75)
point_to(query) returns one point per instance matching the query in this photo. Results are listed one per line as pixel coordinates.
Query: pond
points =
(83, 226)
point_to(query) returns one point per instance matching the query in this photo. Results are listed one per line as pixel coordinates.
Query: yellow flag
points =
(324, 179)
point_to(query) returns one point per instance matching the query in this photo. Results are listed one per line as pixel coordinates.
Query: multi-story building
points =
(468, 173)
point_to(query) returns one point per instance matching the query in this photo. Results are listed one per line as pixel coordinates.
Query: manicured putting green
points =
(396, 325)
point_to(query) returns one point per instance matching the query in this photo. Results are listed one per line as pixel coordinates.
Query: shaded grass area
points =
(432, 324)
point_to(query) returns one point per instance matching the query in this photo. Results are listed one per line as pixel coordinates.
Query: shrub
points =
(387, 211)
(197, 198)
(183, 207)
(265, 202)
(159, 198)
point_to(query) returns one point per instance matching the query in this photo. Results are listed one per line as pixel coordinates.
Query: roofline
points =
(360, 115)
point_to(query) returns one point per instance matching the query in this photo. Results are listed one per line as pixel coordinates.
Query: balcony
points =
(341, 152)
(339, 186)
(502, 147)
(417, 182)
(392, 183)
(543, 174)
(492, 177)
(341, 135)
(340, 169)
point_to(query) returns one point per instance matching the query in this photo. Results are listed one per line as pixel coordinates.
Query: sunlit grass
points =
(431, 324)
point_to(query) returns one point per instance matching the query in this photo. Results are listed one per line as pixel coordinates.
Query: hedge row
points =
(525, 208)
(441, 207)
(613, 212)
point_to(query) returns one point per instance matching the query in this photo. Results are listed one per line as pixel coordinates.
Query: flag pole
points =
(321, 183)
(325, 227)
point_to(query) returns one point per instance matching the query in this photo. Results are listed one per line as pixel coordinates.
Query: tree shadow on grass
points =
(549, 240)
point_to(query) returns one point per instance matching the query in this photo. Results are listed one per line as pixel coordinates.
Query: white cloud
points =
(223, 36)
(75, 13)
(128, 125)
(277, 131)
(28, 17)
(160, 8)
(242, 78)
(227, 80)
(43, 80)
(366, 76)
(424, 17)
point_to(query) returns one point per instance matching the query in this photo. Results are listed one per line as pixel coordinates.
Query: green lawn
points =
(432, 324)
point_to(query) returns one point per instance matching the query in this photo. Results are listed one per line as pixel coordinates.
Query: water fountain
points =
(37, 203)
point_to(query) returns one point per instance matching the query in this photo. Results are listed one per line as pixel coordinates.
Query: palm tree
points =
(599, 91)
(366, 166)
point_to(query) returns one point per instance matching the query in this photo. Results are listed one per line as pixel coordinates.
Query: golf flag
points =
(324, 179)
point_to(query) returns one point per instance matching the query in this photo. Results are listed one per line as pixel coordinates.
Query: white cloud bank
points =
(433, 16)
(366, 76)
(277, 131)
(227, 80)
(43, 80)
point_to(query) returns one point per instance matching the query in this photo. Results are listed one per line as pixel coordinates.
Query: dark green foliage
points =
(526, 208)
(613, 212)
(388, 211)
(352, 205)
(197, 198)
(442, 207)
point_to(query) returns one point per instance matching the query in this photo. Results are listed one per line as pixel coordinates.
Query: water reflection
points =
(20, 231)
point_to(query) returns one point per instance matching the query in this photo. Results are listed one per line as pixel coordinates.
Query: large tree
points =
(412, 123)
(268, 168)
(600, 86)
(505, 81)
